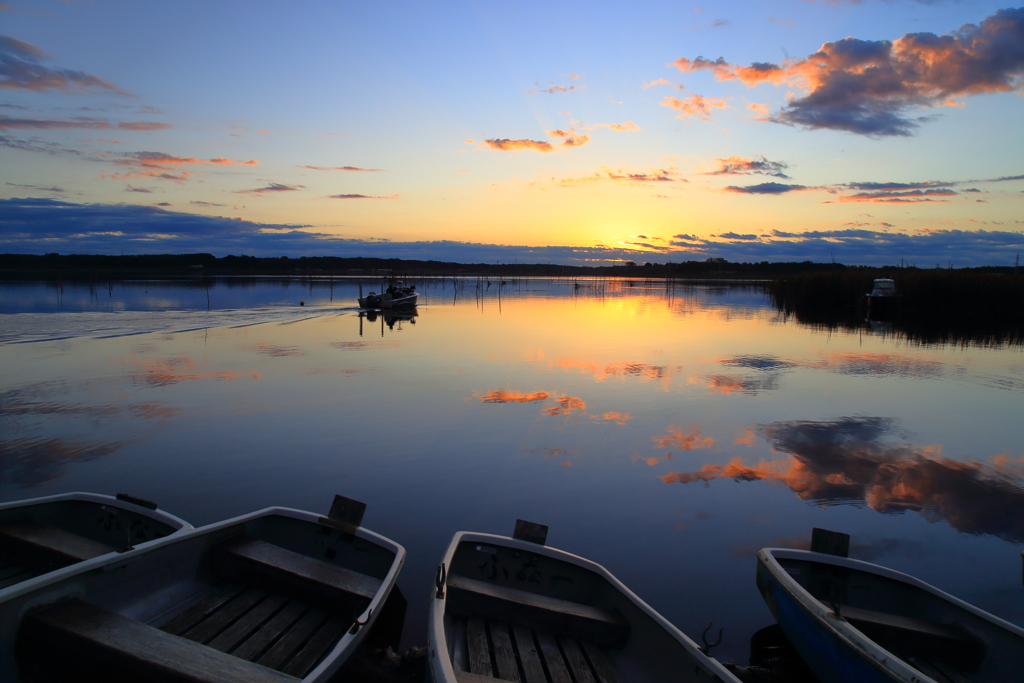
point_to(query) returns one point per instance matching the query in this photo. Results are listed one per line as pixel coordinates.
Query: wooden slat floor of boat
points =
(262, 627)
(520, 654)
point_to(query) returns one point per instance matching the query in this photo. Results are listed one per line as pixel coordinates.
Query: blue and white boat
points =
(857, 622)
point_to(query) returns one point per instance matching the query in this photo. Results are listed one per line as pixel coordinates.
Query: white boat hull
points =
(155, 588)
(542, 604)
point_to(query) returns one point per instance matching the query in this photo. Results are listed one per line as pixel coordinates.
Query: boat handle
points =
(442, 576)
(356, 626)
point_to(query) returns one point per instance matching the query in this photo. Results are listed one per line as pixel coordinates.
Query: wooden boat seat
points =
(41, 545)
(562, 617)
(97, 645)
(512, 652)
(260, 563)
(949, 644)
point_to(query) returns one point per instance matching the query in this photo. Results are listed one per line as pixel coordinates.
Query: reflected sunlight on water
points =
(665, 432)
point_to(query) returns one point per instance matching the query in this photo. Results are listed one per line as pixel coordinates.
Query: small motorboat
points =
(857, 622)
(882, 298)
(513, 609)
(45, 537)
(276, 595)
(397, 295)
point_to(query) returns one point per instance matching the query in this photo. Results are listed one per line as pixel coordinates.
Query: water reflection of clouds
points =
(161, 373)
(683, 440)
(566, 405)
(768, 369)
(852, 460)
(556, 405)
(884, 364)
(274, 350)
(617, 370)
(565, 457)
(727, 384)
(365, 345)
(147, 410)
(34, 461)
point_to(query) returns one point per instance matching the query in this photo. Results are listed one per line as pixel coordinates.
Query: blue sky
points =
(568, 132)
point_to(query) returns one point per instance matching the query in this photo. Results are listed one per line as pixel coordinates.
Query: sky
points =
(864, 131)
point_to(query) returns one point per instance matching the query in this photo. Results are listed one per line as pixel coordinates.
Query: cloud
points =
(162, 160)
(20, 68)
(38, 225)
(553, 89)
(657, 81)
(272, 187)
(765, 188)
(870, 87)
(893, 197)
(37, 187)
(359, 196)
(570, 138)
(654, 175)
(626, 126)
(344, 168)
(506, 145)
(742, 166)
(695, 105)
(7, 123)
(505, 396)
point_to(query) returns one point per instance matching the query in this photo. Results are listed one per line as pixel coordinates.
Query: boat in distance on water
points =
(397, 295)
(513, 609)
(278, 595)
(41, 538)
(857, 622)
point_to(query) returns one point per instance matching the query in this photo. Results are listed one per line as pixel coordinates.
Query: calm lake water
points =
(666, 432)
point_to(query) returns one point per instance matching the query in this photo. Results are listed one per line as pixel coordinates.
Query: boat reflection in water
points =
(389, 317)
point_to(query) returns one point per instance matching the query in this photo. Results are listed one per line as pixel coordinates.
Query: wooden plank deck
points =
(517, 653)
(258, 626)
(470, 596)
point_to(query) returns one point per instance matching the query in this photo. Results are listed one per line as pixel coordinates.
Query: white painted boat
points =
(857, 622)
(44, 538)
(512, 610)
(275, 595)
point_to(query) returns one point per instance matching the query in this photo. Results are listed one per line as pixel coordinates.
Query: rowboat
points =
(44, 538)
(276, 595)
(857, 622)
(511, 609)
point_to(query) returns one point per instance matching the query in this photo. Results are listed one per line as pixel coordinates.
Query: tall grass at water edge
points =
(940, 307)
(933, 291)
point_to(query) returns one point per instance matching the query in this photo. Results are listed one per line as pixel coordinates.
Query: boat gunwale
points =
(56, 575)
(850, 634)
(438, 639)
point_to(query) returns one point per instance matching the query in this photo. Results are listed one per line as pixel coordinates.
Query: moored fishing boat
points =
(45, 537)
(275, 595)
(857, 622)
(513, 609)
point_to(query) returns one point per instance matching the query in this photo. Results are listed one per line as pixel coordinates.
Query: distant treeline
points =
(102, 267)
